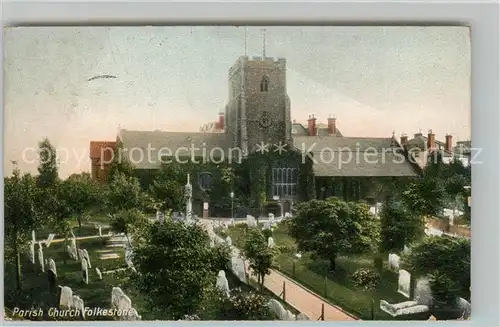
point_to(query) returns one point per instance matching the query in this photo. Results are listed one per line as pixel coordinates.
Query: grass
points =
(337, 287)
(96, 294)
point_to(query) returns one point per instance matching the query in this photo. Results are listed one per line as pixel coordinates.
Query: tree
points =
(260, 255)
(332, 227)
(20, 216)
(119, 164)
(125, 193)
(168, 186)
(128, 222)
(175, 266)
(47, 169)
(398, 227)
(442, 256)
(425, 197)
(81, 193)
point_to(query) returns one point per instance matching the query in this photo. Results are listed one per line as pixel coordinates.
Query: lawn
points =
(337, 287)
(88, 228)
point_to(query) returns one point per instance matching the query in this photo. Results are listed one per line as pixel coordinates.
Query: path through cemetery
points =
(302, 299)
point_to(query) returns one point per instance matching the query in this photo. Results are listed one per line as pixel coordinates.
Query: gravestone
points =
(120, 301)
(267, 225)
(79, 305)
(270, 242)
(32, 252)
(98, 271)
(290, 316)
(302, 316)
(52, 266)
(66, 299)
(100, 231)
(271, 218)
(465, 306)
(394, 261)
(251, 222)
(277, 308)
(85, 271)
(74, 250)
(231, 222)
(406, 250)
(128, 257)
(33, 238)
(404, 282)
(52, 279)
(288, 215)
(87, 257)
(238, 268)
(423, 293)
(40, 258)
(222, 283)
(49, 239)
(229, 242)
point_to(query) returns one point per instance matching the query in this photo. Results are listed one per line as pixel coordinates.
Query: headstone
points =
(74, 250)
(66, 299)
(277, 308)
(79, 305)
(229, 242)
(100, 231)
(32, 252)
(423, 293)
(87, 257)
(33, 238)
(52, 266)
(288, 215)
(302, 316)
(270, 242)
(267, 225)
(120, 301)
(85, 271)
(222, 283)
(271, 218)
(394, 261)
(404, 281)
(40, 258)
(81, 255)
(465, 306)
(128, 257)
(52, 278)
(238, 268)
(251, 222)
(49, 239)
(98, 271)
(290, 316)
(231, 222)
(406, 250)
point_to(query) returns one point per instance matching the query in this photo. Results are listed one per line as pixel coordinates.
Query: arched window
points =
(264, 84)
(205, 181)
(284, 182)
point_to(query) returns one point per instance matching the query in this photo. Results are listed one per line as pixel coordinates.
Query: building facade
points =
(257, 119)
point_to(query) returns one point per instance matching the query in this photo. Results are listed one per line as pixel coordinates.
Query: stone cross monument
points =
(188, 194)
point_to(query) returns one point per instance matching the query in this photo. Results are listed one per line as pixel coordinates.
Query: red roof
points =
(101, 147)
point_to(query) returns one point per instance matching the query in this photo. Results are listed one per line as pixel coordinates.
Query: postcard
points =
(236, 173)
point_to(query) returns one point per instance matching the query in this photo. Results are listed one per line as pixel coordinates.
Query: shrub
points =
(365, 278)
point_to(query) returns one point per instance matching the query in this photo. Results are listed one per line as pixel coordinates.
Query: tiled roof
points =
(166, 143)
(98, 147)
(356, 156)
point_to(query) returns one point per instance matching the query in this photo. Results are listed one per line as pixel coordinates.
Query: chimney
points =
(404, 139)
(311, 125)
(220, 123)
(448, 143)
(431, 140)
(332, 128)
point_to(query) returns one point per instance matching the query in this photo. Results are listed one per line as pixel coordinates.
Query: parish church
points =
(257, 119)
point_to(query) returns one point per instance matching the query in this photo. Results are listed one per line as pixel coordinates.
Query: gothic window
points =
(284, 182)
(205, 181)
(264, 84)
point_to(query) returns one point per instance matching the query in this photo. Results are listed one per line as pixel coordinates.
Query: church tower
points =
(258, 109)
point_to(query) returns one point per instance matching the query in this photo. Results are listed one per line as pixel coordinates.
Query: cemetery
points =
(137, 256)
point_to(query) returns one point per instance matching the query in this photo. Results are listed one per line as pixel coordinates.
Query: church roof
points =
(166, 143)
(382, 164)
(356, 156)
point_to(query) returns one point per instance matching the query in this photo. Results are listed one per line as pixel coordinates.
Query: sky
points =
(376, 80)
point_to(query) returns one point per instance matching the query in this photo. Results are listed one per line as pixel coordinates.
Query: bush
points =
(365, 278)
